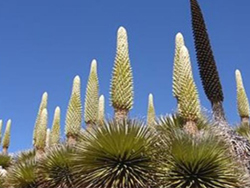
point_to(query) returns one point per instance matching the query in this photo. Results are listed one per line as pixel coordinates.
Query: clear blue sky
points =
(44, 44)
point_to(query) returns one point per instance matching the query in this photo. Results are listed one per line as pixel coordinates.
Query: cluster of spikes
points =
(47, 142)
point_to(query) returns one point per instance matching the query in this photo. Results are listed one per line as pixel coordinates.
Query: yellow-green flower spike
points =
(56, 127)
(101, 110)
(92, 96)
(1, 126)
(122, 94)
(42, 130)
(73, 120)
(179, 43)
(151, 111)
(189, 104)
(242, 100)
(6, 137)
(43, 105)
(48, 143)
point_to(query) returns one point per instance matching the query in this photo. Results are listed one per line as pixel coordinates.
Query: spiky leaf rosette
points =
(189, 104)
(199, 162)
(56, 127)
(122, 80)
(42, 130)
(54, 169)
(242, 100)
(73, 120)
(167, 125)
(206, 62)
(22, 174)
(43, 104)
(115, 155)
(92, 96)
(101, 110)
(179, 42)
(5, 161)
(6, 137)
(151, 111)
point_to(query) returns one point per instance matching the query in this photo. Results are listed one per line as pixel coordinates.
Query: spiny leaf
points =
(6, 137)
(151, 111)
(42, 130)
(179, 42)
(73, 120)
(56, 127)
(189, 104)
(122, 80)
(43, 105)
(92, 96)
(242, 100)
(206, 62)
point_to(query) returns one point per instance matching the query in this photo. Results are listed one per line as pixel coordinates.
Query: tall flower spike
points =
(189, 104)
(6, 137)
(206, 62)
(73, 120)
(122, 94)
(101, 110)
(56, 127)
(242, 100)
(43, 105)
(92, 97)
(151, 111)
(1, 126)
(48, 143)
(42, 130)
(179, 42)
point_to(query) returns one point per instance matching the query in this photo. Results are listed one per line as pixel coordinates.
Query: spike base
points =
(190, 127)
(121, 115)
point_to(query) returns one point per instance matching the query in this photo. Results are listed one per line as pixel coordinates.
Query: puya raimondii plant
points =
(92, 97)
(121, 91)
(206, 62)
(151, 111)
(43, 105)
(73, 120)
(177, 150)
(242, 99)
(184, 88)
